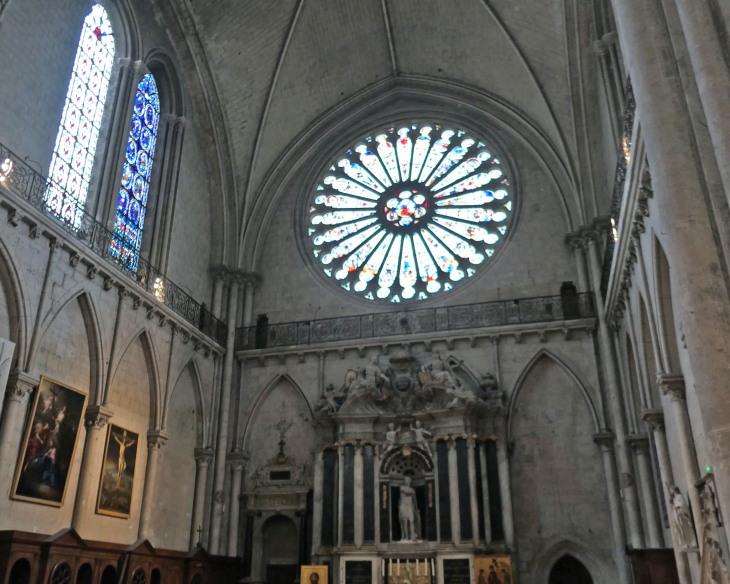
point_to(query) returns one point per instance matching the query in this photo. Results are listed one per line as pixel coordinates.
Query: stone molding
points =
(654, 417)
(96, 417)
(156, 439)
(672, 385)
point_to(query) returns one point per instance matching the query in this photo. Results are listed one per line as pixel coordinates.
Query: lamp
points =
(6, 167)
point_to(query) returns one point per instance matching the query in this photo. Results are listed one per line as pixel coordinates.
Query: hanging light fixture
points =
(6, 167)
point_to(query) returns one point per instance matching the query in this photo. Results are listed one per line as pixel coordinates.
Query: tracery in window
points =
(73, 155)
(409, 212)
(132, 202)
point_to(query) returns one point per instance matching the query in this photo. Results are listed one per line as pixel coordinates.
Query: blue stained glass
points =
(132, 203)
(136, 127)
(79, 128)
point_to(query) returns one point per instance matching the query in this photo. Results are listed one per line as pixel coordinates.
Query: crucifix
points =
(200, 535)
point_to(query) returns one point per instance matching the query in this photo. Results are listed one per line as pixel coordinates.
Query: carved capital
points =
(604, 439)
(575, 241)
(238, 460)
(639, 442)
(219, 272)
(671, 385)
(203, 456)
(20, 384)
(96, 417)
(156, 439)
(252, 279)
(654, 417)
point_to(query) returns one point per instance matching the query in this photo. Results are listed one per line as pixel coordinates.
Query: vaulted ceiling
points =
(276, 66)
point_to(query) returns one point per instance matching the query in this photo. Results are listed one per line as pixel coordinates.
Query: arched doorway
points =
(281, 549)
(568, 570)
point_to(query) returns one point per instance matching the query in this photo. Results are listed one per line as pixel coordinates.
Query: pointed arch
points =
(260, 398)
(201, 416)
(557, 547)
(94, 335)
(519, 384)
(153, 372)
(18, 303)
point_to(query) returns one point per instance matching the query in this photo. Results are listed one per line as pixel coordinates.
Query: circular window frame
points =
(330, 150)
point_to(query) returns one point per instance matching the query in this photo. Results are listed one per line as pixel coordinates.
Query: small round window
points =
(410, 211)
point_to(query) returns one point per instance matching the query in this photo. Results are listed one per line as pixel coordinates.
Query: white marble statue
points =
(410, 519)
(369, 380)
(682, 518)
(420, 432)
(438, 373)
(391, 438)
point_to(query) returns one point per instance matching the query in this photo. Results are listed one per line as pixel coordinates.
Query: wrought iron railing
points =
(426, 320)
(619, 180)
(31, 186)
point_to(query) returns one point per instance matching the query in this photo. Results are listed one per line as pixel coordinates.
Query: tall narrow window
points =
(73, 155)
(132, 201)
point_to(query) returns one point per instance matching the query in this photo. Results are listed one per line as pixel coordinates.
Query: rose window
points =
(410, 211)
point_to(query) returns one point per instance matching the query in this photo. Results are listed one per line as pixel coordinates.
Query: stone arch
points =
(127, 37)
(18, 304)
(279, 533)
(579, 382)
(201, 418)
(308, 151)
(281, 400)
(556, 549)
(92, 327)
(153, 372)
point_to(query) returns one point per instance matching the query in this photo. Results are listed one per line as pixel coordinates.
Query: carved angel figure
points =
(685, 529)
(391, 437)
(420, 432)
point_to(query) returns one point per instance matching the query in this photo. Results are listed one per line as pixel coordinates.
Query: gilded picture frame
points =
(493, 569)
(118, 469)
(45, 461)
(314, 574)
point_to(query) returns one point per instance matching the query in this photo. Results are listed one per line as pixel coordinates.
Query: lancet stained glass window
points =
(73, 155)
(411, 211)
(132, 202)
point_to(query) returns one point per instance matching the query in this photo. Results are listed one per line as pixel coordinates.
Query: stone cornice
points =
(518, 331)
(672, 385)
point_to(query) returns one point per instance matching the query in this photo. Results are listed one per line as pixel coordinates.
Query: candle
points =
(418, 568)
(397, 563)
(433, 571)
(382, 569)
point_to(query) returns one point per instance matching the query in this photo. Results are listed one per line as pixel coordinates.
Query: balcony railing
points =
(622, 164)
(426, 320)
(31, 186)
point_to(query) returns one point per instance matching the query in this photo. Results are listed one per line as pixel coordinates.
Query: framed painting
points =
(493, 569)
(49, 444)
(117, 473)
(313, 574)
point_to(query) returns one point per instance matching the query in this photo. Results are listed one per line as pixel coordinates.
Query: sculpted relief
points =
(405, 386)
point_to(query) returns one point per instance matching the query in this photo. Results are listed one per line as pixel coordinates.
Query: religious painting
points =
(117, 473)
(313, 575)
(49, 444)
(495, 569)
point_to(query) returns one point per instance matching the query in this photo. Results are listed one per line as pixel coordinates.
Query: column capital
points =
(252, 279)
(639, 442)
(671, 385)
(575, 240)
(20, 384)
(219, 272)
(654, 417)
(238, 459)
(156, 439)
(604, 438)
(203, 455)
(96, 417)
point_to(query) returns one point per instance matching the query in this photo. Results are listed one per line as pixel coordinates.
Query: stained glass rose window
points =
(409, 212)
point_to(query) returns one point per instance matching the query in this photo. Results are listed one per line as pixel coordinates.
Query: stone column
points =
(505, 490)
(615, 399)
(706, 53)
(358, 468)
(340, 489)
(35, 339)
(251, 283)
(155, 440)
(224, 406)
(317, 501)
(690, 224)
(96, 418)
(238, 462)
(454, 492)
(20, 386)
(203, 456)
(471, 466)
(219, 274)
(655, 420)
(605, 441)
(485, 492)
(376, 491)
(435, 457)
(575, 242)
(640, 444)
(673, 386)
